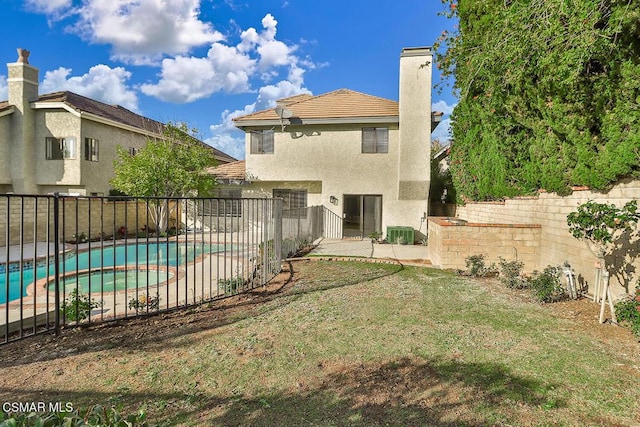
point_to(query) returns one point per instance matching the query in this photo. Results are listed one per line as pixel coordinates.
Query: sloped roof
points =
(339, 104)
(292, 99)
(230, 171)
(115, 113)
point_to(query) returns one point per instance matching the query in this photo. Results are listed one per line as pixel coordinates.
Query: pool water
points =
(155, 254)
(112, 280)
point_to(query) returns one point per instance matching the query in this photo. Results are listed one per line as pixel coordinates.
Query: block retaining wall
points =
(450, 244)
(557, 245)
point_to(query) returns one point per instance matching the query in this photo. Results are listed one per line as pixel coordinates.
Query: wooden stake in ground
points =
(606, 296)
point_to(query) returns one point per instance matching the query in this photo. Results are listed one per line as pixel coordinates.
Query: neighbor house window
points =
(293, 202)
(61, 148)
(229, 203)
(375, 140)
(91, 149)
(262, 141)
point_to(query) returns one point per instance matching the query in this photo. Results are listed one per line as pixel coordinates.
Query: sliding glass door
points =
(362, 215)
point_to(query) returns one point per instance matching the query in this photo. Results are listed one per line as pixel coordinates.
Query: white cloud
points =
(187, 79)
(228, 138)
(101, 82)
(443, 131)
(229, 143)
(231, 69)
(49, 7)
(443, 107)
(3, 88)
(142, 31)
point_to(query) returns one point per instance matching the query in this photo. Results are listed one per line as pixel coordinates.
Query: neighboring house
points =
(64, 142)
(366, 158)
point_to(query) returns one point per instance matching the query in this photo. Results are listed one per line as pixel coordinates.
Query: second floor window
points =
(61, 148)
(91, 149)
(375, 140)
(262, 141)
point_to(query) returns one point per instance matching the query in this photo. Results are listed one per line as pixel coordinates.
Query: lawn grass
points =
(350, 343)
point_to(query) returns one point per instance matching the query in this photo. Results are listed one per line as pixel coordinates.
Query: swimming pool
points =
(111, 280)
(159, 254)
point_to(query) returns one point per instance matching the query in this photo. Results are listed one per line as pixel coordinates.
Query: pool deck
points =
(26, 252)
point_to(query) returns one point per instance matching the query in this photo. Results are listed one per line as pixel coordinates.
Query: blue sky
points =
(204, 62)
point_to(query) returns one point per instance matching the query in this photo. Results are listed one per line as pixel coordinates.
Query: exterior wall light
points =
(333, 200)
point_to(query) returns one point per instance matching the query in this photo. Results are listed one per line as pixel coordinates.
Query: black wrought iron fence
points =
(80, 260)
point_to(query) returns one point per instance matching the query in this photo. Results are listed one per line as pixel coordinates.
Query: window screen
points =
(375, 140)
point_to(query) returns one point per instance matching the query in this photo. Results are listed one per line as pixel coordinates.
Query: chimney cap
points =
(23, 55)
(416, 51)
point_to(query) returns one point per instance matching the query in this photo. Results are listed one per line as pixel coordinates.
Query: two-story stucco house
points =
(366, 158)
(64, 142)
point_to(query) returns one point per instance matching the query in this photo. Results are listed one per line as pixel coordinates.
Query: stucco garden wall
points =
(550, 211)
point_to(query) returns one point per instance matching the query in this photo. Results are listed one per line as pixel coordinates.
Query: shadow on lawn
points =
(159, 332)
(404, 392)
(407, 392)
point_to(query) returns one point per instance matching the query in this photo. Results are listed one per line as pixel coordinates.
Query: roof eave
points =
(10, 110)
(295, 121)
(92, 117)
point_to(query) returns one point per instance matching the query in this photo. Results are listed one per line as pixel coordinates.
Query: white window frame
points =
(60, 148)
(262, 141)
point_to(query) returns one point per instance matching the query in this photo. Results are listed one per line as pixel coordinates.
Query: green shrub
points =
(94, 416)
(231, 285)
(546, 286)
(510, 274)
(628, 312)
(143, 302)
(477, 268)
(77, 306)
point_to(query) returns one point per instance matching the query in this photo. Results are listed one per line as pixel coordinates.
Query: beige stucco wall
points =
(550, 211)
(333, 156)
(57, 124)
(328, 161)
(5, 152)
(96, 175)
(78, 175)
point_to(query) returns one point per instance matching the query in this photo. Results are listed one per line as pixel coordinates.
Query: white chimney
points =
(415, 124)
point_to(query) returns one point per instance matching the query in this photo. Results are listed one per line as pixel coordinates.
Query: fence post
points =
(277, 238)
(56, 259)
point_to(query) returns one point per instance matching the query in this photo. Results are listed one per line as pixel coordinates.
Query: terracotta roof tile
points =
(342, 103)
(230, 171)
